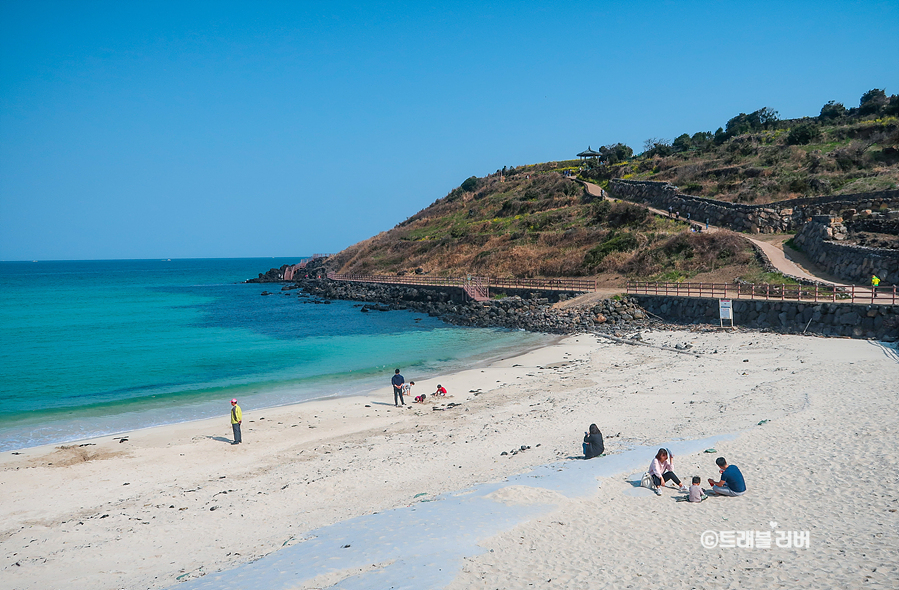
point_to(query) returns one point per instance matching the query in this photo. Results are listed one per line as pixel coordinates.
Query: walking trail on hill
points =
(784, 259)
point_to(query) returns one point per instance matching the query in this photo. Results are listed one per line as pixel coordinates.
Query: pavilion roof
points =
(588, 153)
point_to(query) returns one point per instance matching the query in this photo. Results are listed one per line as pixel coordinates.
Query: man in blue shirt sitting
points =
(731, 483)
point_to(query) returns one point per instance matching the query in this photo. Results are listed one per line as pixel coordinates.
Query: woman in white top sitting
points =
(661, 470)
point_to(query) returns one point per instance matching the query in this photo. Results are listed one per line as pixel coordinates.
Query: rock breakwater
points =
(533, 312)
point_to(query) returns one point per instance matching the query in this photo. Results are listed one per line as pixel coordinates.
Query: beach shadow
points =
(220, 439)
(889, 350)
(380, 403)
(636, 490)
(711, 494)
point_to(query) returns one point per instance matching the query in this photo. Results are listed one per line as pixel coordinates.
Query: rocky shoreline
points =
(533, 312)
(536, 311)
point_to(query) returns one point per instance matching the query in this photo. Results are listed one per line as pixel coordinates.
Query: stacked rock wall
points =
(524, 310)
(781, 216)
(820, 241)
(788, 317)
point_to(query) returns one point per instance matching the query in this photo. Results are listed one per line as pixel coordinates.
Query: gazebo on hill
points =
(588, 153)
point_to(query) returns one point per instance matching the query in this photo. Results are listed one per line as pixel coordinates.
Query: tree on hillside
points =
(720, 136)
(872, 101)
(615, 153)
(802, 134)
(656, 146)
(764, 118)
(892, 107)
(832, 110)
(682, 143)
(767, 118)
(738, 125)
(470, 184)
(701, 140)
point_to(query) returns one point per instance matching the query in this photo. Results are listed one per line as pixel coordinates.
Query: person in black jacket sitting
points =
(593, 446)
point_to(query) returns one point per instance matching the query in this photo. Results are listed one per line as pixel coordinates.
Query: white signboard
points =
(726, 309)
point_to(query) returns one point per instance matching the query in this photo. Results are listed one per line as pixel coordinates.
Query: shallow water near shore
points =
(89, 348)
(423, 545)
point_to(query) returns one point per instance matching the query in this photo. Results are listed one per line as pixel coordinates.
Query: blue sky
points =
(220, 129)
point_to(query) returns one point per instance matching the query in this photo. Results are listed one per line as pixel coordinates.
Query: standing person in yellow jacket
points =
(236, 418)
(874, 282)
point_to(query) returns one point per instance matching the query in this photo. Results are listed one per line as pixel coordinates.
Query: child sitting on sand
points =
(441, 390)
(420, 399)
(696, 493)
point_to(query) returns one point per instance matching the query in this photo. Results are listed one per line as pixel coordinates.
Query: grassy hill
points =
(534, 221)
(758, 158)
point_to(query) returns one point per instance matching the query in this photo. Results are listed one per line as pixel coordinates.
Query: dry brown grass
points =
(542, 226)
(689, 253)
(552, 255)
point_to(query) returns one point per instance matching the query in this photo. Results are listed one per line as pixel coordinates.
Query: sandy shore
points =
(178, 503)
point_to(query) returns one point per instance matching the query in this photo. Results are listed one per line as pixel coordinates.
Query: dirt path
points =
(782, 257)
(781, 262)
(773, 248)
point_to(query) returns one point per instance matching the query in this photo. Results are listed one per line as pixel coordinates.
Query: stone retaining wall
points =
(776, 217)
(787, 317)
(820, 241)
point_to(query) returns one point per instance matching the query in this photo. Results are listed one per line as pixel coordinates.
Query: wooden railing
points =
(476, 288)
(484, 283)
(811, 293)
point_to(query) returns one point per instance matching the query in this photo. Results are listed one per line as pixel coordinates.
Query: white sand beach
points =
(813, 425)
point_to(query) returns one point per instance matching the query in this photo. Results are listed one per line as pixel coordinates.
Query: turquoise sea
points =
(90, 348)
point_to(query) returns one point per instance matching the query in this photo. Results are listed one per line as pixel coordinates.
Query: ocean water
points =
(89, 348)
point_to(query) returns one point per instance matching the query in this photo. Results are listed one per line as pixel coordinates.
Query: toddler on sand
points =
(696, 493)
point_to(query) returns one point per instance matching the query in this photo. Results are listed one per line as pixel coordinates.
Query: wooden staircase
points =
(476, 288)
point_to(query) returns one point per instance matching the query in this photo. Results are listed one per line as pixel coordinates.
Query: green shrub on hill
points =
(872, 101)
(756, 157)
(469, 184)
(832, 110)
(802, 134)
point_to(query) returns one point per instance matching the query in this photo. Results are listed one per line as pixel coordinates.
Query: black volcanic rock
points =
(532, 312)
